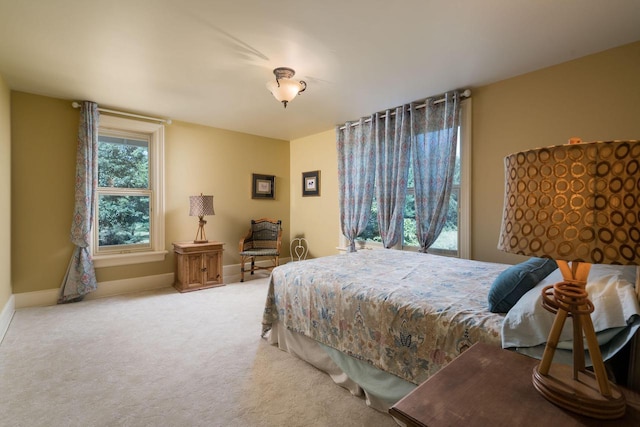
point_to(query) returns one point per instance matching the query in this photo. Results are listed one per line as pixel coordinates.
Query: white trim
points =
(136, 284)
(6, 315)
(105, 289)
(464, 209)
(100, 261)
(231, 274)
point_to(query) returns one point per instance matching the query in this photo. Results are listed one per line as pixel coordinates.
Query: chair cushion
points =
(260, 252)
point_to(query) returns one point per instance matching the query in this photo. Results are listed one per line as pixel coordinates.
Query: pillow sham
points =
(615, 319)
(516, 281)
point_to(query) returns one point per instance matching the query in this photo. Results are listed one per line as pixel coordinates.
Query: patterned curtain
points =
(392, 170)
(80, 278)
(434, 135)
(356, 175)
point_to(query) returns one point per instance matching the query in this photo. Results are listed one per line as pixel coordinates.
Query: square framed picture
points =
(311, 183)
(263, 187)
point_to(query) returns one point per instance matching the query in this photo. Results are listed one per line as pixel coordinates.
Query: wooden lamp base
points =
(573, 387)
(581, 395)
(201, 236)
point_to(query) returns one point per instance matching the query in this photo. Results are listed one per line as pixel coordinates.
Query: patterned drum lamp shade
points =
(580, 205)
(201, 206)
(574, 202)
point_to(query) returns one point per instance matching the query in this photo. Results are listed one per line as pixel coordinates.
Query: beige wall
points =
(42, 170)
(316, 217)
(201, 159)
(5, 193)
(197, 159)
(596, 97)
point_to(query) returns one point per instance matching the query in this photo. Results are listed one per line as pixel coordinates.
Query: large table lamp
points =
(579, 204)
(201, 206)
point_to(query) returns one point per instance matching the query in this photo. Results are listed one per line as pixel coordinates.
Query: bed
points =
(380, 322)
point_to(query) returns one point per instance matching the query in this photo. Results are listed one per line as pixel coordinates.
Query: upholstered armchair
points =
(263, 239)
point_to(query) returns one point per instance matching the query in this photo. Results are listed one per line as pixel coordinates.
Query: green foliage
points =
(123, 219)
(372, 232)
(122, 165)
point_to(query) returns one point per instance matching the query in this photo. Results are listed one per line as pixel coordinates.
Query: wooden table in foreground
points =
(489, 386)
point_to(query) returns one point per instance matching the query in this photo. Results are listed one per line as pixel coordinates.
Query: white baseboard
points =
(231, 274)
(136, 284)
(105, 289)
(6, 315)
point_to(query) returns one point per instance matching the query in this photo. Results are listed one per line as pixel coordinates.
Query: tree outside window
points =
(124, 193)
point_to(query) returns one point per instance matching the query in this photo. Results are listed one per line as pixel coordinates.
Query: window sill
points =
(100, 261)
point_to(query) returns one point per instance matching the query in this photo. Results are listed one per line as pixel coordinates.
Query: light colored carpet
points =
(164, 359)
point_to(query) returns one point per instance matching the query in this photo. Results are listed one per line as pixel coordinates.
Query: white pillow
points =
(616, 316)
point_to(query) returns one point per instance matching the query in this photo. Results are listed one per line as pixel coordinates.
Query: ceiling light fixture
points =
(285, 88)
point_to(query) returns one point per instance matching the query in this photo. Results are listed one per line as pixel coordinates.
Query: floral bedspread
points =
(405, 313)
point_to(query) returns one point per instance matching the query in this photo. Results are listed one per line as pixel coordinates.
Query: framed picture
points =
(311, 183)
(264, 186)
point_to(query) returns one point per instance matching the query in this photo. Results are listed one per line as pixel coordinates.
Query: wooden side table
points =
(198, 265)
(489, 386)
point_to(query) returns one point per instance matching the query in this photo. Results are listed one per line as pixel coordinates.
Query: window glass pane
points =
(372, 232)
(123, 220)
(409, 237)
(448, 238)
(123, 162)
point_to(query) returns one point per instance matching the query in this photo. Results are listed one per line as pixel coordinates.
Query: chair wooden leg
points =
(253, 265)
(241, 269)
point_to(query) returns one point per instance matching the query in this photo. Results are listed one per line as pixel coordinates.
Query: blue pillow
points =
(516, 281)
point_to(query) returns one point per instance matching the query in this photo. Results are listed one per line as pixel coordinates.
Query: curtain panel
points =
(434, 139)
(356, 175)
(80, 278)
(392, 141)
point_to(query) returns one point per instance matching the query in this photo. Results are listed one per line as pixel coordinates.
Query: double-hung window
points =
(128, 223)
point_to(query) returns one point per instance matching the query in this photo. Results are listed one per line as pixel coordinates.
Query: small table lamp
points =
(201, 206)
(579, 204)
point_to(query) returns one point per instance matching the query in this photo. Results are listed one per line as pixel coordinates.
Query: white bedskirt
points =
(314, 353)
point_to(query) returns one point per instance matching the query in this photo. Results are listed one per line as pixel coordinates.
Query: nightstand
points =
(198, 265)
(489, 386)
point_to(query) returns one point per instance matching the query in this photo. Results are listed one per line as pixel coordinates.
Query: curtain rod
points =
(464, 94)
(75, 104)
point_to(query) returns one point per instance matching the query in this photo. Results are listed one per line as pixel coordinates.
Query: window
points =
(454, 238)
(129, 213)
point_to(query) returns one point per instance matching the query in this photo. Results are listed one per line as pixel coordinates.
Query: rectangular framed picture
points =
(311, 183)
(263, 187)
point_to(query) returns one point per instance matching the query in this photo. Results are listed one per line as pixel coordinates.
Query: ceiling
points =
(207, 61)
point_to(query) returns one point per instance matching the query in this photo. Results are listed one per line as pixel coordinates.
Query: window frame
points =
(114, 125)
